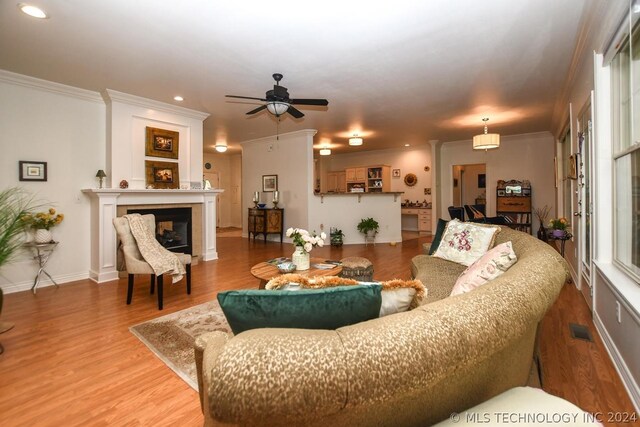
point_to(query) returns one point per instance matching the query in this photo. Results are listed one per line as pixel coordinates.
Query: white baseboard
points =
(618, 362)
(44, 282)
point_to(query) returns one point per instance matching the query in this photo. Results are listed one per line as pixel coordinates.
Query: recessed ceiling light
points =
(34, 11)
(178, 98)
(407, 145)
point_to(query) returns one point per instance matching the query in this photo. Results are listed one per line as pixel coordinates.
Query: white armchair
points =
(135, 264)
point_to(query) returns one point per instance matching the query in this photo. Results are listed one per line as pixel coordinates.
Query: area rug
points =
(171, 337)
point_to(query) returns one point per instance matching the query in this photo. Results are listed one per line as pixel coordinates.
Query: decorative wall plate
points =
(410, 179)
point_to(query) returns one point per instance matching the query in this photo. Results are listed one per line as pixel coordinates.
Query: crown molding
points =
(110, 96)
(48, 86)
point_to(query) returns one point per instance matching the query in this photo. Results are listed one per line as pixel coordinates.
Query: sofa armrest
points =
(216, 340)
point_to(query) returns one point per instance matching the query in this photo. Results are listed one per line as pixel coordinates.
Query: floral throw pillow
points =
(488, 267)
(465, 242)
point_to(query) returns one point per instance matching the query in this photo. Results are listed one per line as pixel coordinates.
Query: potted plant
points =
(42, 222)
(336, 237)
(15, 205)
(369, 227)
(559, 227)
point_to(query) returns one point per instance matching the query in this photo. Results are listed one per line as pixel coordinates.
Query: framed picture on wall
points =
(396, 173)
(573, 167)
(161, 143)
(161, 174)
(269, 183)
(482, 180)
(32, 171)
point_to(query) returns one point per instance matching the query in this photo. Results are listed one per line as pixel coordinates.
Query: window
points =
(625, 92)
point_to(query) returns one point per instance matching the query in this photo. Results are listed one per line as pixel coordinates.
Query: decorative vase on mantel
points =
(558, 234)
(42, 235)
(300, 258)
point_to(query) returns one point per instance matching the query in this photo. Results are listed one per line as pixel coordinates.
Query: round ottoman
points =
(357, 268)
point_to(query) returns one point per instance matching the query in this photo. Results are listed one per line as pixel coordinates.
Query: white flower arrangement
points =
(305, 239)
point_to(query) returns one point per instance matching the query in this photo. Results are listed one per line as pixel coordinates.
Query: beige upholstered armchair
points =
(135, 264)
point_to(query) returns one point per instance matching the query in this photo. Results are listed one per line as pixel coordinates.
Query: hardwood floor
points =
(71, 360)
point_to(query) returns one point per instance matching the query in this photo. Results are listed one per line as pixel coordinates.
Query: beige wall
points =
(65, 127)
(519, 157)
(291, 158)
(408, 160)
(229, 170)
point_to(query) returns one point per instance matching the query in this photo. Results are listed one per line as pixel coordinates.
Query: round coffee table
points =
(265, 271)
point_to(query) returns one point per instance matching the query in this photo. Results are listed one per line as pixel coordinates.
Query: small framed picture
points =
(32, 171)
(396, 173)
(269, 183)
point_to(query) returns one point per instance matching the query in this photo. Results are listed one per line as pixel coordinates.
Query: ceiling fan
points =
(278, 101)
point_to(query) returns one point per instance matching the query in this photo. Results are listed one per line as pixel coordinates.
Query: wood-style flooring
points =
(71, 360)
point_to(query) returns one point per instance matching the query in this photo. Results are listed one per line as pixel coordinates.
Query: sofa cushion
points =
(442, 225)
(327, 308)
(490, 265)
(436, 274)
(464, 242)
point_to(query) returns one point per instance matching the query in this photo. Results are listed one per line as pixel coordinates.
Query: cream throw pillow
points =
(488, 267)
(465, 242)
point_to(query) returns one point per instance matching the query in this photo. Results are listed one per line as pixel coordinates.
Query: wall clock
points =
(410, 179)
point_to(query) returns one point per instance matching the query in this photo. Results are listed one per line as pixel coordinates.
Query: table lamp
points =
(101, 175)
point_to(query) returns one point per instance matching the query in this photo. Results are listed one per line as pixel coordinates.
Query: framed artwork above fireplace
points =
(161, 174)
(162, 143)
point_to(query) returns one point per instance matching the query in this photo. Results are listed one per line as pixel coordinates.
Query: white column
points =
(209, 227)
(103, 237)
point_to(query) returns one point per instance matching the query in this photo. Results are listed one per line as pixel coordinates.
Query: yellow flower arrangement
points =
(42, 220)
(559, 224)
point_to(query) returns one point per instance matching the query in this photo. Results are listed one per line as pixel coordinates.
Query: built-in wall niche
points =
(173, 227)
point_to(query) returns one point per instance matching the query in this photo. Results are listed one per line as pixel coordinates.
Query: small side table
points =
(563, 239)
(41, 253)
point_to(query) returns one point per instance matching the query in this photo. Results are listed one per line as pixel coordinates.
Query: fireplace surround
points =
(109, 203)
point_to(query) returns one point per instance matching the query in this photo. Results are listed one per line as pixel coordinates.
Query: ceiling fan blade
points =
(295, 112)
(309, 101)
(245, 97)
(260, 108)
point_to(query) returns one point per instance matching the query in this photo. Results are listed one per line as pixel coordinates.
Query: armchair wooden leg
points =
(160, 289)
(188, 266)
(130, 289)
(153, 284)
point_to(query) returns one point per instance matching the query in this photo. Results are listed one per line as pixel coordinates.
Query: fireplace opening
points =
(173, 227)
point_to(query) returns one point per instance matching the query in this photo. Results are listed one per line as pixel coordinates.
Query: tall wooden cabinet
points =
(513, 201)
(266, 221)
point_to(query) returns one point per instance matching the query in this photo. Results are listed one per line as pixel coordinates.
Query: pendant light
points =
(486, 141)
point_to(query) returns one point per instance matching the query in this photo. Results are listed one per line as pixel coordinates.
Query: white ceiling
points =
(396, 72)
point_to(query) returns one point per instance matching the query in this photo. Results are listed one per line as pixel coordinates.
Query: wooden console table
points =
(266, 221)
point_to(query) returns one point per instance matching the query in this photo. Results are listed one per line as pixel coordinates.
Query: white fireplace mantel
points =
(104, 203)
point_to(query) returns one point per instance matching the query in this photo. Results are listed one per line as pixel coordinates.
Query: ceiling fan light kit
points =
(278, 101)
(355, 141)
(277, 108)
(486, 140)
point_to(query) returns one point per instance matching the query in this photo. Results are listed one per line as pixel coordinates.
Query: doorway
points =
(470, 185)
